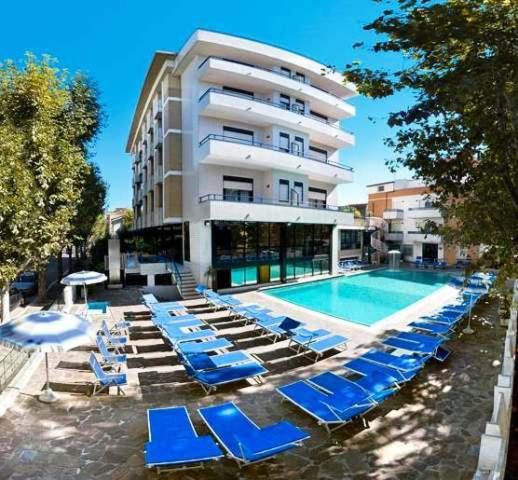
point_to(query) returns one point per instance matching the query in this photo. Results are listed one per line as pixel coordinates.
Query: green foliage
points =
(461, 133)
(90, 207)
(47, 121)
(127, 220)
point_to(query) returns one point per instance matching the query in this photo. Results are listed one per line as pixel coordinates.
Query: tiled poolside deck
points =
(429, 430)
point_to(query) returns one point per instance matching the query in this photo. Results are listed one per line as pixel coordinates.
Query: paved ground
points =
(429, 430)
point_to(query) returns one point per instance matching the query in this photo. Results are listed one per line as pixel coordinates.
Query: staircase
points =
(378, 245)
(185, 281)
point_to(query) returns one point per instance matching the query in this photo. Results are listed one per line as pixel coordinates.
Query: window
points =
(239, 91)
(319, 115)
(318, 154)
(238, 189)
(284, 142)
(285, 101)
(284, 190)
(299, 106)
(317, 197)
(350, 239)
(381, 188)
(186, 242)
(246, 136)
(300, 77)
(286, 71)
(408, 251)
(297, 146)
(298, 193)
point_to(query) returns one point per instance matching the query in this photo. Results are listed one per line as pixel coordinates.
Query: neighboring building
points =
(405, 206)
(115, 220)
(235, 148)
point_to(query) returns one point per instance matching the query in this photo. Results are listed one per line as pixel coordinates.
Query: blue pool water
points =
(365, 298)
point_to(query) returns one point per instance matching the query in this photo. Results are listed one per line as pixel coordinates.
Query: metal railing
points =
(295, 77)
(397, 210)
(290, 108)
(269, 201)
(11, 361)
(269, 146)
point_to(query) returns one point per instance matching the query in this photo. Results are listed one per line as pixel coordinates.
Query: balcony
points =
(158, 176)
(235, 152)
(261, 209)
(241, 107)
(394, 236)
(418, 236)
(424, 212)
(252, 77)
(393, 214)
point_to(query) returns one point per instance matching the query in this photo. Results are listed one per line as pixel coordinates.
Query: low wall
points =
(495, 439)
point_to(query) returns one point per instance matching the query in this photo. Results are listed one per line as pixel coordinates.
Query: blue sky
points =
(113, 41)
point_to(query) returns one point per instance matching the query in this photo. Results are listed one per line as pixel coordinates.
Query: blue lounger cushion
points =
(173, 440)
(439, 353)
(176, 337)
(149, 298)
(405, 363)
(243, 439)
(203, 361)
(183, 323)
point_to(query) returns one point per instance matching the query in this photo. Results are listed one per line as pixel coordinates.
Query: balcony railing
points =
(290, 108)
(296, 78)
(269, 201)
(269, 146)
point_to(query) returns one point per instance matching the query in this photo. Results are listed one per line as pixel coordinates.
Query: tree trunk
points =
(60, 264)
(6, 307)
(69, 253)
(42, 284)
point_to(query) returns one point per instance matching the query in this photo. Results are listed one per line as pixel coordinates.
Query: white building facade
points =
(236, 164)
(406, 206)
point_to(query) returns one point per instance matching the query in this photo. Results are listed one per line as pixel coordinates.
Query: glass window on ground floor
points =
(350, 239)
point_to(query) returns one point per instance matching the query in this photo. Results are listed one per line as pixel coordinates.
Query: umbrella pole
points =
(47, 396)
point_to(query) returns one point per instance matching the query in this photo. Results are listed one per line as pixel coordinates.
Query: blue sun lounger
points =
(330, 410)
(175, 335)
(404, 363)
(386, 376)
(203, 361)
(244, 441)
(173, 441)
(178, 322)
(149, 298)
(167, 307)
(326, 344)
(288, 326)
(441, 329)
(106, 380)
(304, 336)
(110, 358)
(204, 347)
(113, 340)
(432, 340)
(448, 318)
(439, 353)
(211, 379)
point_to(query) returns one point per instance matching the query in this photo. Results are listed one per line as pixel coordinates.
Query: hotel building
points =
(235, 147)
(405, 206)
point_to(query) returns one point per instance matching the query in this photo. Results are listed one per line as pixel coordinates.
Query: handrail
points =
(393, 210)
(270, 70)
(269, 146)
(273, 104)
(268, 201)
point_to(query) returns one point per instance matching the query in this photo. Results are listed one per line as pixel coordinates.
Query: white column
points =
(150, 280)
(335, 250)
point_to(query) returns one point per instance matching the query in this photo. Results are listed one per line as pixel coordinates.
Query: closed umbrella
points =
(47, 331)
(84, 278)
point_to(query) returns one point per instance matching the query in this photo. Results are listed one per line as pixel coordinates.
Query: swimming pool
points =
(365, 298)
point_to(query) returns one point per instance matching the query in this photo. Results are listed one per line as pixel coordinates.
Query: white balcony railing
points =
(393, 214)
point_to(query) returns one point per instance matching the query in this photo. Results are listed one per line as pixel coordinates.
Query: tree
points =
(127, 220)
(90, 208)
(461, 133)
(49, 120)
